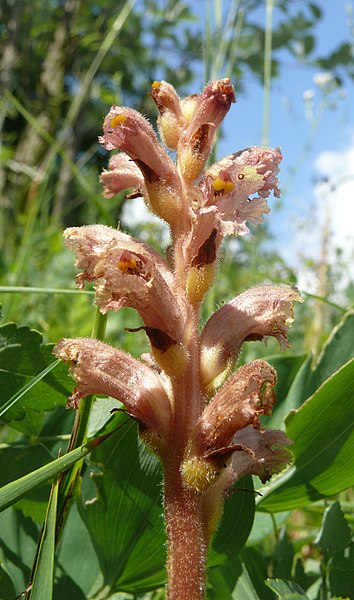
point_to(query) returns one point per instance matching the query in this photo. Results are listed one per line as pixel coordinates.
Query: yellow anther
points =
(127, 265)
(156, 85)
(223, 185)
(118, 120)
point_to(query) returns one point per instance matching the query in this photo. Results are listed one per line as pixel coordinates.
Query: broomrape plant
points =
(197, 415)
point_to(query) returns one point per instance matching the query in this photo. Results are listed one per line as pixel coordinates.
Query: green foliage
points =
(32, 381)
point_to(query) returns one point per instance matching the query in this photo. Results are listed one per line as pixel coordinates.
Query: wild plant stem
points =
(185, 527)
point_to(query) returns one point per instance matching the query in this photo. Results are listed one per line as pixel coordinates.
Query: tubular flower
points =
(246, 395)
(196, 140)
(228, 186)
(100, 369)
(125, 129)
(128, 273)
(256, 314)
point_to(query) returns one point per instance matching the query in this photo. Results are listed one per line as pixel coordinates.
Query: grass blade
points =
(14, 491)
(42, 585)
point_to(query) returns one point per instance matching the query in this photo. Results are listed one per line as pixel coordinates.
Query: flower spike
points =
(203, 421)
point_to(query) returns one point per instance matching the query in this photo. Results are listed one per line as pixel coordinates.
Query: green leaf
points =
(236, 523)
(283, 557)
(18, 460)
(341, 573)
(12, 492)
(42, 585)
(287, 590)
(287, 368)
(242, 578)
(316, 10)
(23, 357)
(323, 447)
(7, 590)
(263, 526)
(18, 542)
(338, 350)
(123, 512)
(222, 580)
(75, 568)
(334, 535)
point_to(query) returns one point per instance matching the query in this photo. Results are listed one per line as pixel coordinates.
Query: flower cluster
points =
(186, 394)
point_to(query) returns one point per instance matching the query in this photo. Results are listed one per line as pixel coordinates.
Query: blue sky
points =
(316, 133)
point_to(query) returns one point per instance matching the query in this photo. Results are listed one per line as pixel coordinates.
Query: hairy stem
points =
(187, 548)
(186, 542)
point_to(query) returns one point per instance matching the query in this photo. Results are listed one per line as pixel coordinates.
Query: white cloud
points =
(336, 195)
(332, 197)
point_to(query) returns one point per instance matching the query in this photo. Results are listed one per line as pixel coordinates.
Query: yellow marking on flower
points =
(126, 265)
(221, 185)
(118, 120)
(156, 85)
(199, 282)
(173, 361)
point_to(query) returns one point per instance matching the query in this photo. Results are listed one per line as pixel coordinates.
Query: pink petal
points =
(101, 369)
(229, 184)
(122, 174)
(262, 452)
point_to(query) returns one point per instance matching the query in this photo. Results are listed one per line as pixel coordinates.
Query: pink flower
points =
(256, 314)
(128, 273)
(100, 369)
(125, 129)
(247, 394)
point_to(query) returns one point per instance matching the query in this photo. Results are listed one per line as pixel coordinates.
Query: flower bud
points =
(170, 120)
(100, 369)
(125, 129)
(196, 140)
